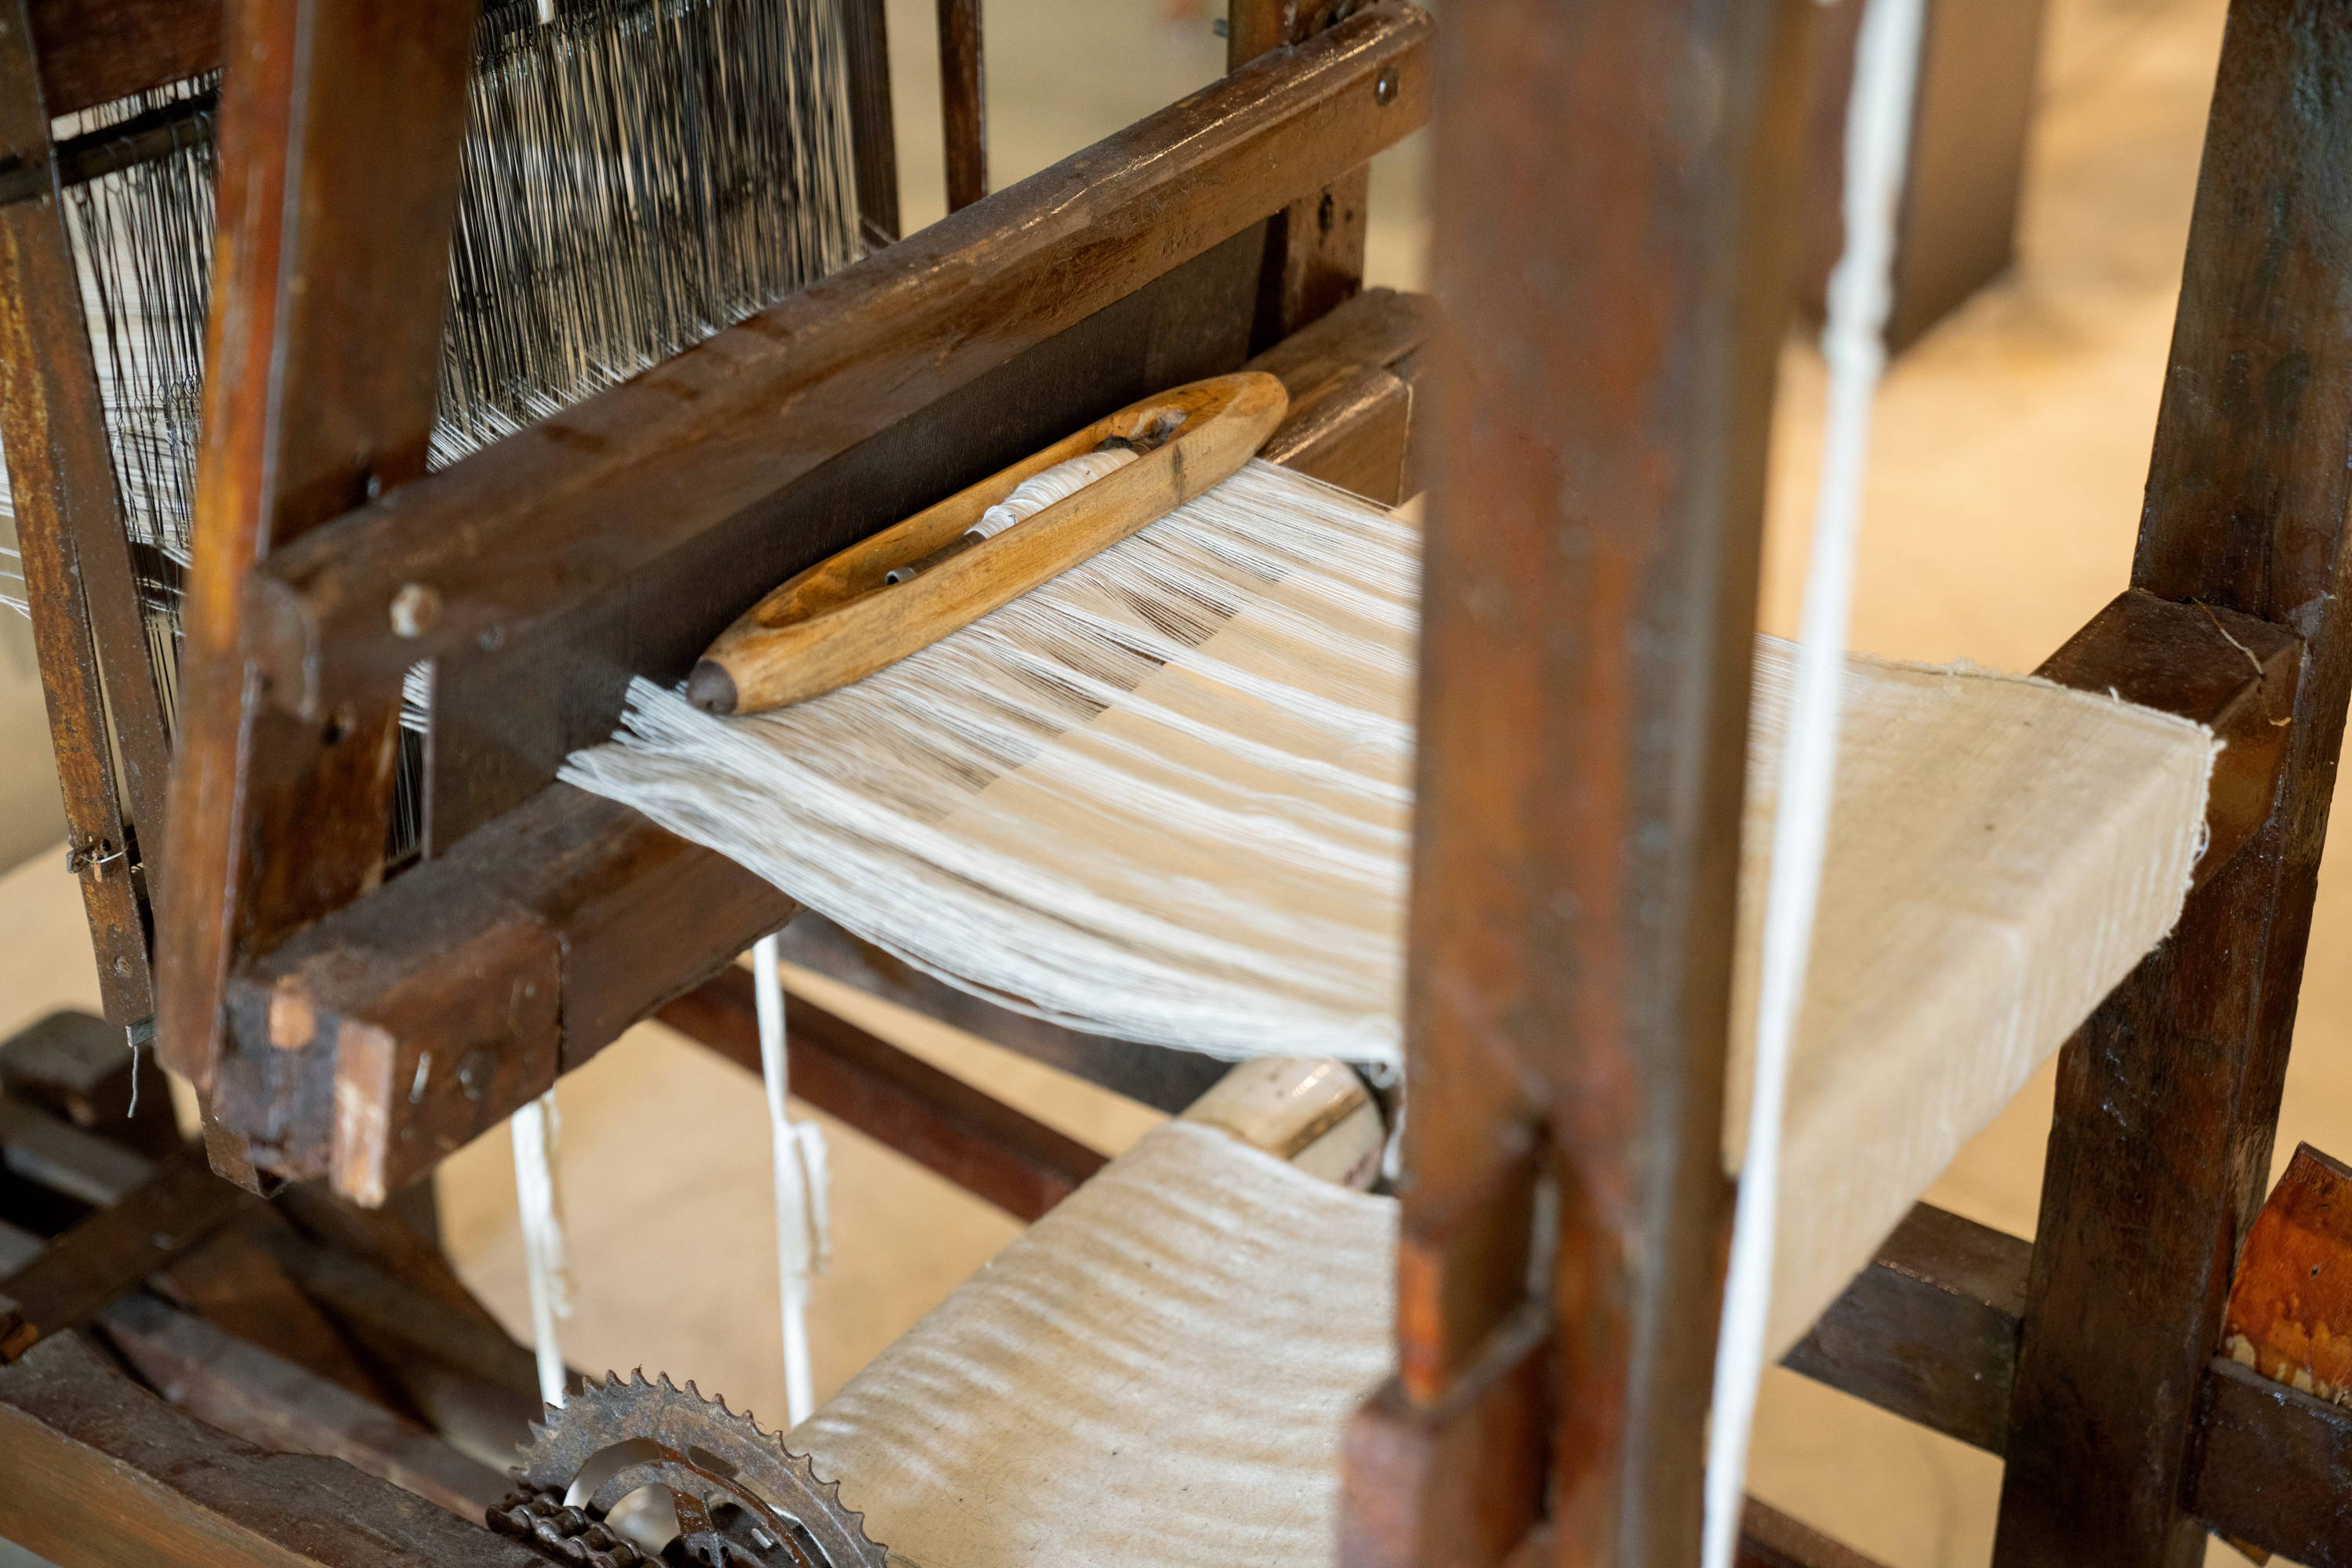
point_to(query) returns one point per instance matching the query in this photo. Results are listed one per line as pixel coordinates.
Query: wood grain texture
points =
(76, 1068)
(247, 1392)
(2275, 1468)
(638, 915)
(539, 522)
(114, 1249)
(2168, 1096)
(841, 620)
(2229, 672)
(1314, 258)
(963, 101)
(1929, 1330)
(1354, 376)
(931, 1117)
(2290, 1313)
(152, 1484)
(86, 627)
(1596, 504)
(276, 821)
(873, 133)
(96, 50)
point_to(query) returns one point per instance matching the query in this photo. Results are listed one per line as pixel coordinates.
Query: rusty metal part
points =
(743, 1499)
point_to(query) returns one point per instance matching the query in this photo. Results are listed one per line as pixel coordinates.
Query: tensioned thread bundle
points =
(637, 175)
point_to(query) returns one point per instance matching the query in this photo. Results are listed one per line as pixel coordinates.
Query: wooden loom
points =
(309, 995)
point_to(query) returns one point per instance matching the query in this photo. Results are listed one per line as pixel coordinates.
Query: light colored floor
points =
(2006, 487)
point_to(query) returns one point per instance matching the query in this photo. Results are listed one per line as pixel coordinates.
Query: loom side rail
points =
(498, 543)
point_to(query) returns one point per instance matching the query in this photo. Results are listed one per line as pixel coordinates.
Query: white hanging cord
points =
(803, 1233)
(1878, 146)
(534, 1129)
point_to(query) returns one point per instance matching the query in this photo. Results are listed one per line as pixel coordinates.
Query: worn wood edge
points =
(93, 51)
(696, 430)
(2233, 673)
(149, 1483)
(2274, 1467)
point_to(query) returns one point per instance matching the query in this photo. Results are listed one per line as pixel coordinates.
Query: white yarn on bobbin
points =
(1038, 491)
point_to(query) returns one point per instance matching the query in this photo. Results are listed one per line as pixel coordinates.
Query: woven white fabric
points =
(1156, 1373)
(1167, 797)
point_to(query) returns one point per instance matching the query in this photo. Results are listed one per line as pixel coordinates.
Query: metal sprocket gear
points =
(744, 1501)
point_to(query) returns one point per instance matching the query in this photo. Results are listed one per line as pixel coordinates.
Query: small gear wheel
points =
(742, 1498)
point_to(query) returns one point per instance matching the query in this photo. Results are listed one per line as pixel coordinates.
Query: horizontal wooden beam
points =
(2277, 1467)
(1929, 1330)
(933, 1117)
(623, 916)
(387, 1037)
(94, 51)
(102, 1474)
(494, 546)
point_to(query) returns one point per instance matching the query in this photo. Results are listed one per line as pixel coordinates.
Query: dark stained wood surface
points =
(1596, 504)
(873, 134)
(2276, 1468)
(247, 1392)
(115, 1248)
(1314, 256)
(95, 51)
(87, 628)
(149, 1484)
(933, 1117)
(963, 101)
(276, 821)
(639, 916)
(521, 952)
(1929, 1330)
(543, 521)
(506, 718)
(80, 1070)
(2229, 672)
(1770, 1539)
(2169, 1097)
(1151, 1074)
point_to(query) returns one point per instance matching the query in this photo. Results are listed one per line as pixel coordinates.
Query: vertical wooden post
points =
(873, 133)
(341, 126)
(963, 101)
(1313, 248)
(2169, 1097)
(87, 624)
(1614, 184)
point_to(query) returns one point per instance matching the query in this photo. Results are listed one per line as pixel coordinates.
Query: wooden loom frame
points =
(1561, 1424)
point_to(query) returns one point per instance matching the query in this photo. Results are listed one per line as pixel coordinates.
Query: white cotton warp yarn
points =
(1168, 798)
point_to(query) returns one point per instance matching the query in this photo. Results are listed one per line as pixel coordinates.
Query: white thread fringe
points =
(535, 1128)
(1878, 136)
(802, 1182)
(1204, 844)
(1038, 491)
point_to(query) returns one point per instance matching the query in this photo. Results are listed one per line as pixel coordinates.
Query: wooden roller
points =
(896, 593)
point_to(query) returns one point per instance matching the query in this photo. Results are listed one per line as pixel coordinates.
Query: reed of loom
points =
(1558, 1426)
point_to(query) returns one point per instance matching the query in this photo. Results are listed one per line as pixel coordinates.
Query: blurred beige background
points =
(2011, 447)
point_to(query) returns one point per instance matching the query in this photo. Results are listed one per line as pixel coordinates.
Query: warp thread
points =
(1877, 147)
